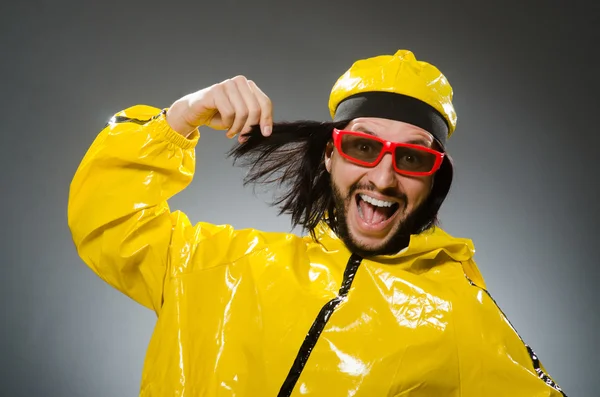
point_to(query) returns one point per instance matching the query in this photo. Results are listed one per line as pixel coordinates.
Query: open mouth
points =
(373, 211)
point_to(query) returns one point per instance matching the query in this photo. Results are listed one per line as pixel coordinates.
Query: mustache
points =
(389, 192)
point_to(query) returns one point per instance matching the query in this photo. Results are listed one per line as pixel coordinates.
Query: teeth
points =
(374, 201)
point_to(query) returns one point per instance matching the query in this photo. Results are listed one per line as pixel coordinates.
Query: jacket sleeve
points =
(118, 213)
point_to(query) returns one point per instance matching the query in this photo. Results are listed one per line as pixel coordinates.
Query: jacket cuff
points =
(163, 130)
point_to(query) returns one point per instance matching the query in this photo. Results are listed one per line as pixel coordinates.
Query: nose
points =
(383, 175)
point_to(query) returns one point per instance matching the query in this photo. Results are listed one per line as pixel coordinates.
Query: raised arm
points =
(118, 214)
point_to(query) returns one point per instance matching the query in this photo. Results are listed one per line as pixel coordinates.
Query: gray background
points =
(526, 92)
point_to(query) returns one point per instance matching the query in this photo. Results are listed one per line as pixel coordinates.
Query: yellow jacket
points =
(250, 313)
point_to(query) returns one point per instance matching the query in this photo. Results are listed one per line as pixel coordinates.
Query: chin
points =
(369, 242)
(372, 246)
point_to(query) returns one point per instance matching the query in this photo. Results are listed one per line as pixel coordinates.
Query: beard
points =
(392, 244)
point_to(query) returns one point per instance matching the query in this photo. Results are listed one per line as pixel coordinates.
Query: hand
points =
(234, 105)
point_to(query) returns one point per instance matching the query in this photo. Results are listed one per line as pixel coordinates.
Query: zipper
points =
(317, 327)
(123, 119)
(534, 358)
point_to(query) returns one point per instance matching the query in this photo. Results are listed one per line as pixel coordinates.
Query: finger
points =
(242, 138)
(239, 106)
(251, 103)
(266, 109)
(225, 112)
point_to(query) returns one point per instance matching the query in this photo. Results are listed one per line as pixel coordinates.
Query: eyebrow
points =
(414, 141)
(419, 141)
(366, 131)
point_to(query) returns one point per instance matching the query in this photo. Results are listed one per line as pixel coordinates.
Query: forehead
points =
(391, 130)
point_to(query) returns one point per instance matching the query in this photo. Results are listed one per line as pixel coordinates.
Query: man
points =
(375, 301)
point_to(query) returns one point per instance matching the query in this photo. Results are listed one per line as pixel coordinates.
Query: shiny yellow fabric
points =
(400, 73)
(234, 306)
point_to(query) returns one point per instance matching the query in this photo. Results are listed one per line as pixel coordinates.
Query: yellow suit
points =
(249, 313)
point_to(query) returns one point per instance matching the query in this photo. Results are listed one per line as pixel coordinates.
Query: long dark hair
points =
(292, 160)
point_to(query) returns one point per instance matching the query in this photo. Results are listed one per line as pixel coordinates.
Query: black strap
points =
(317, 327)
(534, 358)
(123, 119)
(393, 106)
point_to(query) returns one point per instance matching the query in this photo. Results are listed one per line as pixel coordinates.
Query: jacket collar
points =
(429, 243)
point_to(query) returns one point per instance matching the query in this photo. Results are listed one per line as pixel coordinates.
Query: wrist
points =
(176, 120)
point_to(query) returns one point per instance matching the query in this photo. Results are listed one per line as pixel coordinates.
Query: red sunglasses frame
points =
(388, 147)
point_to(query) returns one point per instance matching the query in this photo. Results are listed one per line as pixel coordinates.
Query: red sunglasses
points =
(368, 150)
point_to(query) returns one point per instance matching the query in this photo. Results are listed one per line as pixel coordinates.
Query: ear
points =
(328, 155)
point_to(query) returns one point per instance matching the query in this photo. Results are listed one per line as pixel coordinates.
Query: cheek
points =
(417, 190)
(345, 174)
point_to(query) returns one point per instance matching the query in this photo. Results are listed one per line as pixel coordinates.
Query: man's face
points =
(372, 203)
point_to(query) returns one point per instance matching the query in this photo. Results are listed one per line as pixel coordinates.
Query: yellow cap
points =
(400, 73)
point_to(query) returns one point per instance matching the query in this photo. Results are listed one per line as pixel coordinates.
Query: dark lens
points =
(361, 148)
(414, 160)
